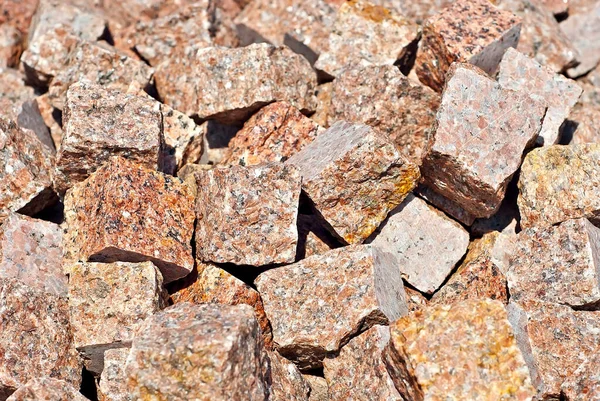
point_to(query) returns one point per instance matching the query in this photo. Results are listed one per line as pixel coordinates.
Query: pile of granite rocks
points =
(299, 200)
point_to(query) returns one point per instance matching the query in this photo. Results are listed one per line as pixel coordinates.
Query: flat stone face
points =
(46, 389)
(207, 81)
(556, 264)
(383, 98)
(482, 131)
(113, 381)
(104, 222)
(359, 371)
(216, 286)
(425, 243)
(415, 300)
(275, 133)
(520, 73)
(31, 251)
(559, 183)
(557, 7)
(220, 344)
(584, 384)
(247, 215)
(478, 277)
(36, 337)
(461, 351)
(286, 381)
(366, 34)
(49, 115)
(316, 304)
(25, 165)
(451, 208)
(99, 124)
(582, 28)
(555, 340)
(354, 175)
(468, 31)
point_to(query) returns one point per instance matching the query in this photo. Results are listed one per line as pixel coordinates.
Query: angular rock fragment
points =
(315, 305)
(469, 31)
(113, 381)
(124, 212)
(557, 7)
(451, 208)
(354, 176)
(465, 351)
(10, 45)
(313, 238)
(25, 165)
(99, 124)
(555, 340)
(31, 251)
(520, 73)
(46, 389)
(321, 115)
(556, 264)
(216, 286)
(414, 300)
(286, 381)
(559, 183)
(482, 131)
(247, 215)
(36, 338)
(318, 388)
(584, 384)
(184, 140)
(108, 301)
(18, 13)
(273, 134)
(359, 371)
(229, 85)
(425, 244)
(366, 34)
(583, 124)
(52, 118)
(219, 343)
(582, 28)
(216, 139)
(383, 98)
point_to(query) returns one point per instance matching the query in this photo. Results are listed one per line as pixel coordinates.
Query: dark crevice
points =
(88, 385)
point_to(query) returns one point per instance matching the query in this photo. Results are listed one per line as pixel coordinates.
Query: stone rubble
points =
(582, 29)
(287, 382)
(113, 381)
(46, 389)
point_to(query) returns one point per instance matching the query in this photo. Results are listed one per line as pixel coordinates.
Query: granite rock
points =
(449, 207)
(584, 384)
(463, 351)
(216, 140)
(383, 98)
(557, 7)
(317, 304)
(481, 133)
(354, 175)
(11, 45)
(415, 300)
(582, 28)
(318, 388)
(520, 73)
(46, 388)
(559, 183)
(124, 212)
(359, 371)
(36, 337)
(321, 115)
(247, 215)
(198, 351)
(31, 251)
(583, 124)
(113, 381)
(52, 118)
(229, 85)
(18, 14)
(468, 31)
(287, 384)
(184, 140)
(424, 242)
(313, 238)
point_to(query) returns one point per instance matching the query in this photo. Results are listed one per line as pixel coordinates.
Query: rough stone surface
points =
(472, 31)
(184, 140)
(216, 139)
(46, 389)
(99, 124)
(11, 45)
(451, 208)
(31, 251)
(584, 384)
(113, 381)
(478, 277)
(18, 13)
(520, 73)
(273, 134)
(52, 119)
(359, 371)
(557, 264)
(383, 98)
(555, 340)
(124, 212)
(313, 238)
(424, 242)
(354, 176)
(366, 34)
(318, 388)
(108, 301)
(464, 351)
(315, 305)
(208, 82)
(36, 337)
(559, 183)
(482, 131)
(584, 124)
(25, 166)
(582, 28)
(287, 384)
(415, 300)
(216, 286)
(557, 7)
(247, 215)
(321, 115)
(220, 344)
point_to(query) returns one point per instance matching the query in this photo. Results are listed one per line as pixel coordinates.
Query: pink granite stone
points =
(46, 389)
(582, 28)
(287, 384)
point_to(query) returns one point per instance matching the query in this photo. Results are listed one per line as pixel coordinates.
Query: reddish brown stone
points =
(11, 46)
(414, 299)
(582, 28)
(386, 100)
(287, 384)
(584, 384)
(318, 388)
(354, 176)
(472, 31)
(321, 115)
(17, 13)
(184, 140)
(113, 381)
(558, 7)
(124, 212)
(482, 131)
(220, 344)
(315, 305)
(46, 389)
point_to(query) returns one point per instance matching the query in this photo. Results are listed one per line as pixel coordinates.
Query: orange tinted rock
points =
(451, 208)
(584, 384)
(321, 115)
(287, 384)
(584, 124)
(46, 389)
(582, 28)
(414, 299)
(113, 381)
(11, 46)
